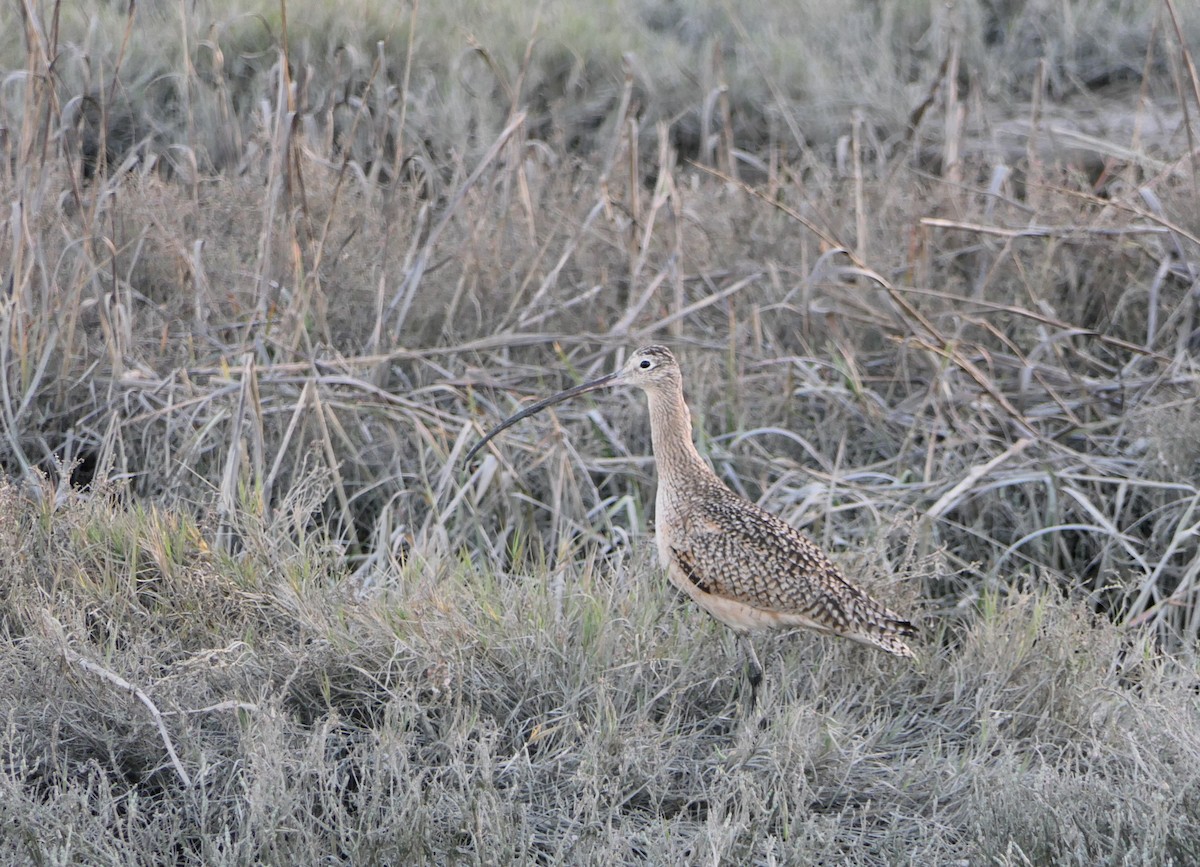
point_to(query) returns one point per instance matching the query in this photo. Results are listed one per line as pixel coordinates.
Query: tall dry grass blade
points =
(952, 497)
(405, 293)
(1193, 80)
(1070, 136)
(279, 118)
(298, 411)
(620, 116)
(1036, 231)
(1183, 534)
(18, 343)
(954, 110)
(327, 419)
(861, 228)
(670, 319)
(111, 454)
(1106, 522)
(782, 104)
(633, 310)
(633, 150)
(550, 281)
(311, 285)
(707, 150)
(642, 244)
(187, 76)
(227, 493)
(728, 151)
(401, 153)
(1034, 168)
(257, 434)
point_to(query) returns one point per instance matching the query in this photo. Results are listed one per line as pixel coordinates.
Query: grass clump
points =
(499, 718)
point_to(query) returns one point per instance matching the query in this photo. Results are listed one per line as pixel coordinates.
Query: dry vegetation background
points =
(267, 270)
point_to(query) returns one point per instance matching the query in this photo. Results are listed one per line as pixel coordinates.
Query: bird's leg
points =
(754, 669)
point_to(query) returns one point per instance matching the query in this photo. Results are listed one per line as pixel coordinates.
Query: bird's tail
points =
(889, 635)
(892, 644)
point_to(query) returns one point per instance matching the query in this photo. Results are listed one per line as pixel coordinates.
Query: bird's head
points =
(651, 368)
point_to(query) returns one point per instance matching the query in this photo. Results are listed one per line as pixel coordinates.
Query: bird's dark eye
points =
(645, 365)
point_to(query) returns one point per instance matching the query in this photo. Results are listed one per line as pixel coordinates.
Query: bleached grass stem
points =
(54, 630)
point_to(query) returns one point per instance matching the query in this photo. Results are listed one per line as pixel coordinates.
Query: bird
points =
(746, 567)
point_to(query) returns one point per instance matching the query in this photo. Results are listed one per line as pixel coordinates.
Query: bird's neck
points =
(671, 434)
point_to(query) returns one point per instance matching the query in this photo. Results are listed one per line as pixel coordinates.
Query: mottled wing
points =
(736, 550)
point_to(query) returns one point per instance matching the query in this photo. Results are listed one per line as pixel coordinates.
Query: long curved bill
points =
(610, 379)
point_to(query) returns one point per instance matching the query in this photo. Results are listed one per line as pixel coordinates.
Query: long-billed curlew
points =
(741, 564)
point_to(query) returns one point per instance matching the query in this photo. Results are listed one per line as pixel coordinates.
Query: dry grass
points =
(258, 611)
(473, 716)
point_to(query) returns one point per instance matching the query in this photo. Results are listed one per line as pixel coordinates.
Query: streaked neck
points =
(671, 434)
